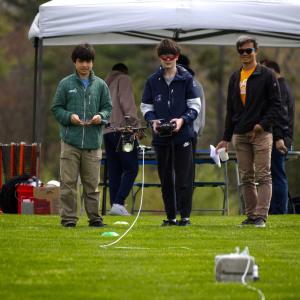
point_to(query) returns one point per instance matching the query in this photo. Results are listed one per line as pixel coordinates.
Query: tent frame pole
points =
(37, 96)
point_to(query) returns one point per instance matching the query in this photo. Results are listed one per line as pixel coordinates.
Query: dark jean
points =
(122, 169)
(279, 202)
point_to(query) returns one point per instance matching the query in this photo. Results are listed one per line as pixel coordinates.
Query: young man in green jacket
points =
(81, 102)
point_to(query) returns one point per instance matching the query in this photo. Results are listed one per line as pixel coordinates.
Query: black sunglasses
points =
(247, 50)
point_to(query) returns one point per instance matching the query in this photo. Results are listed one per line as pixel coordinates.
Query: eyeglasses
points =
(168, 57)
(247, 51)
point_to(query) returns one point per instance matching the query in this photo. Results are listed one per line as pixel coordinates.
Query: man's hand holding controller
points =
(96, 120)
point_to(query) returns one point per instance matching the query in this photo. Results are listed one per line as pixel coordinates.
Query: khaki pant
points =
(86, 163)
(254, 162)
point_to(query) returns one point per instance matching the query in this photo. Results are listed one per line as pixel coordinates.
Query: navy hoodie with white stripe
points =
(164, 102)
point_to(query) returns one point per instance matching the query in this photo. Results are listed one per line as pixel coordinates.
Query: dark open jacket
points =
(262, 106)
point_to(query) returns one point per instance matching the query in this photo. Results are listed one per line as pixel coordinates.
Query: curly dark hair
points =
(83, 52)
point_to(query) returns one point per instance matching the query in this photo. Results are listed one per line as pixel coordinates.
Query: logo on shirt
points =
(73, 91)
(158, 98)
(243, 85)
(186, 144)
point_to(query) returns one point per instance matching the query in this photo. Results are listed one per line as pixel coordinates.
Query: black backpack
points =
(8, 197)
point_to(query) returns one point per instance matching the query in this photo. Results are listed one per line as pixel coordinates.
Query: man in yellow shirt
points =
(253, 103)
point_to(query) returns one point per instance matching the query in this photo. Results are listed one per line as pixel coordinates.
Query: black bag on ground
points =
(294, 205)
(8, 197)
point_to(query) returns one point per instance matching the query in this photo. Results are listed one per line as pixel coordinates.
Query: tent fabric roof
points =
(218, 22)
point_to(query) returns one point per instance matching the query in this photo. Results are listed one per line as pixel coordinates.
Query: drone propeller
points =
(129, 129)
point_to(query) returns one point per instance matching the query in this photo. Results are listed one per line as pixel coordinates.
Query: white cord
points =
(143, 248)
(140, 208)
(262, 296)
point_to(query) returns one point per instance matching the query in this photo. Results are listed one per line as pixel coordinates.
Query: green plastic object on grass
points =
(121, 223)
(109, 233)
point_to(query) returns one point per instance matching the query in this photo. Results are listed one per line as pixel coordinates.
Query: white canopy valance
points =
(210, 22)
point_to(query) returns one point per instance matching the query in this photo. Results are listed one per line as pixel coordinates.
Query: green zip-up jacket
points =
(72, 97)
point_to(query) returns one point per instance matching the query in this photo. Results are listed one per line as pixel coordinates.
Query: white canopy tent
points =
(211, 22)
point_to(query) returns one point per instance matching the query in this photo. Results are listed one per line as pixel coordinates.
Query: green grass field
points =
(41, 260)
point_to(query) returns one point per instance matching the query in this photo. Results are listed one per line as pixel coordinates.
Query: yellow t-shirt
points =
(245, 74)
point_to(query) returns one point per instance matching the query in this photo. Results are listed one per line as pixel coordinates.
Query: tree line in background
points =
(212, 65)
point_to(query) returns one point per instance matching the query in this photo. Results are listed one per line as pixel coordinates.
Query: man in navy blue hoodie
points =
(171, 97)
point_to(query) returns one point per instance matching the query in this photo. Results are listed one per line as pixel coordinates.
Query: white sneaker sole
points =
(118, 213)
(260, 226)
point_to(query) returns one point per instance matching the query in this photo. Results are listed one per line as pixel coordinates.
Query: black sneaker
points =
(169, 223)
(184, 222)
(68, 224)
(96, 224)
(260, 222)
(246, 222)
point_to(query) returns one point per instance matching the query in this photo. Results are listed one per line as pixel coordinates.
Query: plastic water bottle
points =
(255, 273)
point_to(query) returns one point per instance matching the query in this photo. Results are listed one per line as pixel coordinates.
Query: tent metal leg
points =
(37, 95)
